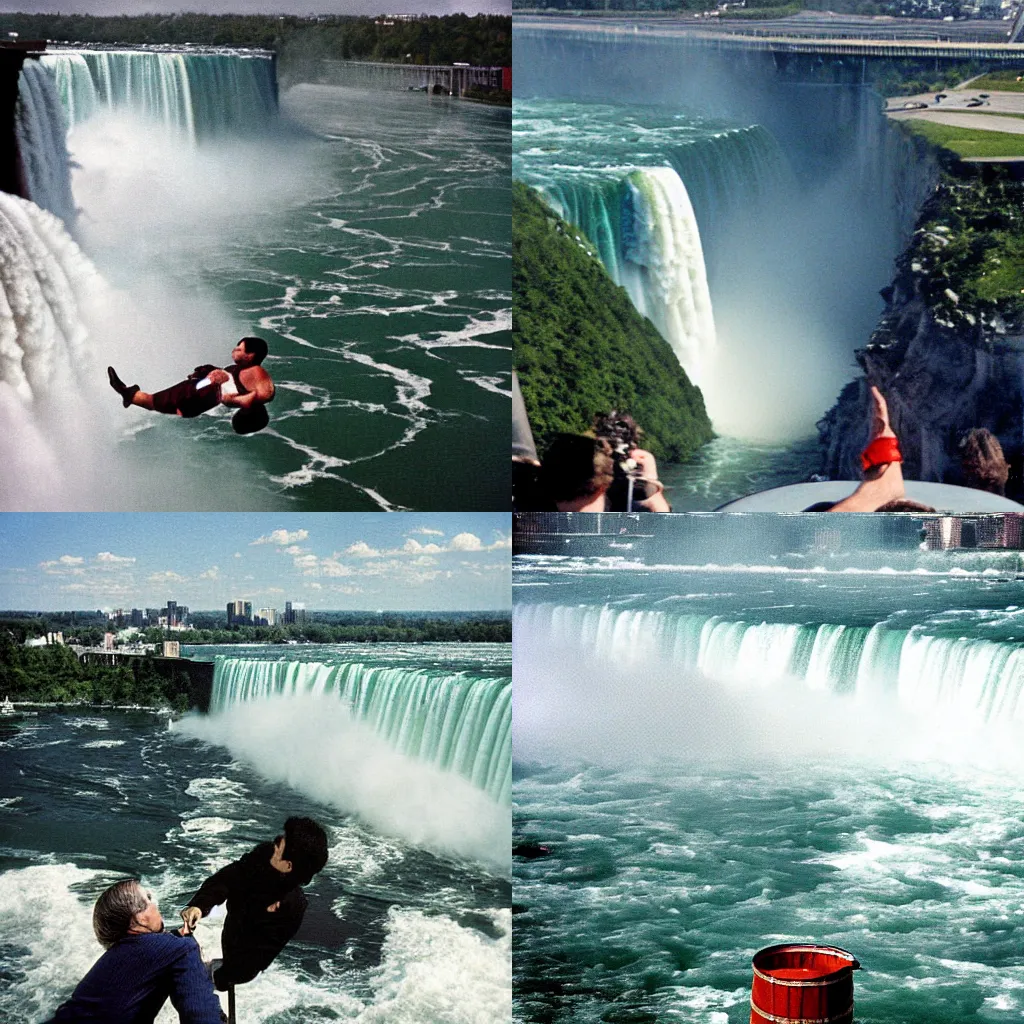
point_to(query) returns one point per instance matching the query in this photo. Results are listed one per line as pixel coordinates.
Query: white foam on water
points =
(315, 746)
(435, 970)
(102, 744)
(207, 826)
(51, 928)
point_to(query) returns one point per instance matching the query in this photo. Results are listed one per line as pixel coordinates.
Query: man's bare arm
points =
(261, 389)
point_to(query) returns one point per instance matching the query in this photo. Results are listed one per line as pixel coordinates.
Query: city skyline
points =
(447, 561)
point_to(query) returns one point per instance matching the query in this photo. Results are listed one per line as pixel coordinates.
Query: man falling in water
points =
(244, 384)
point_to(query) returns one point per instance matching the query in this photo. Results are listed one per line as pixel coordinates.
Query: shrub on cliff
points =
(580, 347)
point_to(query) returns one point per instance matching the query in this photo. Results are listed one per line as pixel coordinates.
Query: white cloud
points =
(238, 554)
(501, 544)
(111, 559)
(414, 547)
(63, 562)
(315, 586)
(307, 563)
(465, 542)
(361, 550)
(168, 576)
(294, 549)
(212, 573)
(426, 531)
(332, 567)
(282, 537)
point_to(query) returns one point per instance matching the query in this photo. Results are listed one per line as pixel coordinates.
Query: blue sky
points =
(340, 560)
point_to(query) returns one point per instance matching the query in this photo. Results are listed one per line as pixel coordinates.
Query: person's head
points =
(125, 909)
(904, 505)
(575, 467)
(301, 850)
(249, 352)
(982, 460)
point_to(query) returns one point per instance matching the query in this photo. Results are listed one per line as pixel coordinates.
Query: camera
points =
(619, 429)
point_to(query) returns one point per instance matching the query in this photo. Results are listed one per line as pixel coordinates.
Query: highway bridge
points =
(813, 33)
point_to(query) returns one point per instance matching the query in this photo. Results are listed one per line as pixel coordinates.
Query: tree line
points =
(54, 674)
(483, 39)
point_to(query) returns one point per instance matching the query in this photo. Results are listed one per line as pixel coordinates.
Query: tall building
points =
(265, 617)
(171, 612)
(239, 613)
(138, 618)
(289, 615)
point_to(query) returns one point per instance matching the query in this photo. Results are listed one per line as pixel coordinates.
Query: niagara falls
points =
(785, 272)
(770, 731)
(359, 225)
(369, 693)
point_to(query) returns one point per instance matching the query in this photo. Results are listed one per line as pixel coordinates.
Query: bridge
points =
(452, 79)
(812, 33)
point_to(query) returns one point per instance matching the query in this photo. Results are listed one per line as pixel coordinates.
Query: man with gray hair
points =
(142, 967)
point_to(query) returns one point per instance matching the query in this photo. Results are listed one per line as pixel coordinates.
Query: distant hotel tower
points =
(239, 613)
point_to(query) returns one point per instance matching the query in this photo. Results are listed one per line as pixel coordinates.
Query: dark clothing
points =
(252, 937)
(186, 400)
(135, 977)
(617, 497)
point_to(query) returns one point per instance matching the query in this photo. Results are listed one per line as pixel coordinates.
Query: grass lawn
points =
(968, 142)
(999, 81)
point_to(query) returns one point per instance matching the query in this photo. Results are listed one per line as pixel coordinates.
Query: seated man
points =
(264, 902)
(143, 965)
(244, 384)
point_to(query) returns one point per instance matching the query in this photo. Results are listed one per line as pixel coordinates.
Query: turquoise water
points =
(409, 920)
(725, 757)
(368, 239)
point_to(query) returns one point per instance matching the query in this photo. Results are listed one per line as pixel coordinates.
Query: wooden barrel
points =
(802, 983)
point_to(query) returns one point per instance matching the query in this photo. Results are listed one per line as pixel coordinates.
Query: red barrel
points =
(802, 983)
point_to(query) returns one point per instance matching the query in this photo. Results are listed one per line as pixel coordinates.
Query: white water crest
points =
(456, 722)
(431, 968)
(191, 94)
(663, 269)
(41, 129)
(318, 747)
(46, 354)
(772, 687)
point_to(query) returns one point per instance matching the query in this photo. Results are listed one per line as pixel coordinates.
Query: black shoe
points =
(127, 392)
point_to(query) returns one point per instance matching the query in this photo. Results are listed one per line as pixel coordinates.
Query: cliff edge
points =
(948, 351)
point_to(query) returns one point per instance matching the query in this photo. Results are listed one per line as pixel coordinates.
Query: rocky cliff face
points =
(946, 360)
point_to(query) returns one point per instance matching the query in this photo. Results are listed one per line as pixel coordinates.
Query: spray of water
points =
(739, 700)
(315, 746)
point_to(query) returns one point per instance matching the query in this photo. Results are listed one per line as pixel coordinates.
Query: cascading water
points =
(664, 266)
(645, 188)
(194, 94)
(455, 721)
(45, 352)
(970, 676)
(40, 129)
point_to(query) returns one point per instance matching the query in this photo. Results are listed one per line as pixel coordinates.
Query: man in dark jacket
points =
(142, 967)
(265, 903)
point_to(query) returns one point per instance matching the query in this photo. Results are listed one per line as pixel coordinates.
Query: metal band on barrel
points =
(846, 1015)
(813, 983)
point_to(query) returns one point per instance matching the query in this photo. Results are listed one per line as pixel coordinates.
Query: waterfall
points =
(649, 189)
(664, 266)
(973, 678)
(194, 94)
(456, 721)
(40, 129)
(46, 362)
